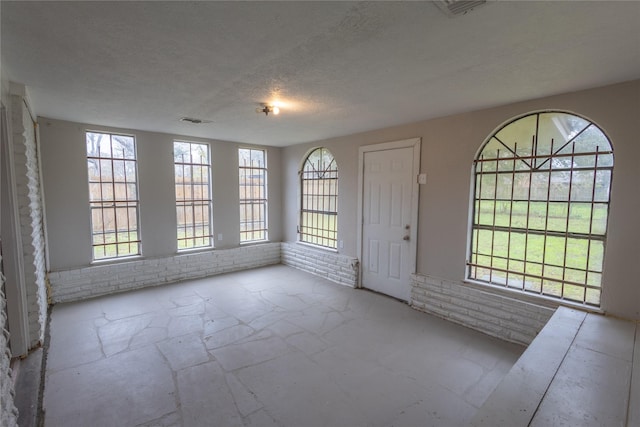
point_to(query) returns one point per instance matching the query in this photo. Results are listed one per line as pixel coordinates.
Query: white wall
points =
(449, 145)
(67, 193)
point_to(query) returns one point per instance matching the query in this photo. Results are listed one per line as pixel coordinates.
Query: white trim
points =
(115, 260)
(255, 242)
(414, 143)
(13, 262)
(139, 224)
(45, 231)
(195, 249)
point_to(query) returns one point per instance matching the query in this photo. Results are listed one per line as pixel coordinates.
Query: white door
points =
(389, 212)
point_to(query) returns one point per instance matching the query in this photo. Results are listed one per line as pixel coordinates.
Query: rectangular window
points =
(253, 194)
(193, 194)
(113, 195)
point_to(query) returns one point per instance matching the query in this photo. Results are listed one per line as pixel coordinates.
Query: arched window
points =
(319, 199)
(540, 209)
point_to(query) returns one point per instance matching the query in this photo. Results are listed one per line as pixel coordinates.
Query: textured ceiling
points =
(336, 67)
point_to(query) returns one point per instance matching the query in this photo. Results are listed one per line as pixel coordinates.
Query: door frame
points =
(415, 144)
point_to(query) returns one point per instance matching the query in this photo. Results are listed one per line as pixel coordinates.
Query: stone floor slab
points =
(268, 347)
(126, 389)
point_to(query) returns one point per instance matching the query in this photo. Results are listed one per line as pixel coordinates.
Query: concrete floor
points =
(267, 347)
(28, 375)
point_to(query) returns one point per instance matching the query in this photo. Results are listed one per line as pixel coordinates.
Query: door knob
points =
(405, 238)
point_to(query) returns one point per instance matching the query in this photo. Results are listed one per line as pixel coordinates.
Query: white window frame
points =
(250, 227)
(560, 166)
(102, 198)
(201, 234)
(321, 206)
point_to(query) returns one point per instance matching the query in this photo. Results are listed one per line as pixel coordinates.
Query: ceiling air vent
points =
(458, 7)
(194, 121)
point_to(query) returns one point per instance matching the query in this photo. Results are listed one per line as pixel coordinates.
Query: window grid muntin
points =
(124, 239)
(193, 198)
(253, 225)
(591, 269)
(319, 199)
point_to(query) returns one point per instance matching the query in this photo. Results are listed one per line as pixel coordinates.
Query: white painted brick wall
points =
(96, 280)
(29, 199)
(338, 268)
(501, 316)
(8, 411)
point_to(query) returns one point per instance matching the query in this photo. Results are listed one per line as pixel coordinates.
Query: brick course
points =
(338, 268)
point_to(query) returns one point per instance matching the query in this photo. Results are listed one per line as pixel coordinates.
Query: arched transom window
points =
(319, 199)
(541, 202)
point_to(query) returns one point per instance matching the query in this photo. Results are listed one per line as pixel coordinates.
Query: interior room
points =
(320, 213)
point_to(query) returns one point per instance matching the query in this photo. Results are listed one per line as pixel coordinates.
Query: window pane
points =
(559, 128)
(252, 173)
(113, 191)
(517, 248)
(319, 199)
(192, 169)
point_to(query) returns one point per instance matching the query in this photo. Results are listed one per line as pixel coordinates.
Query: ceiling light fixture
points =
(266, 109)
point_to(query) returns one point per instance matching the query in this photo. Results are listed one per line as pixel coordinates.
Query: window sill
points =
(529, 297)
(194, 250)
(118, 260)
(323, 248)
(255, 242)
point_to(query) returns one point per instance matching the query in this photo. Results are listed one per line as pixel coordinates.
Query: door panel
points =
(374, 258)
(395, 260)
(387, 211)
